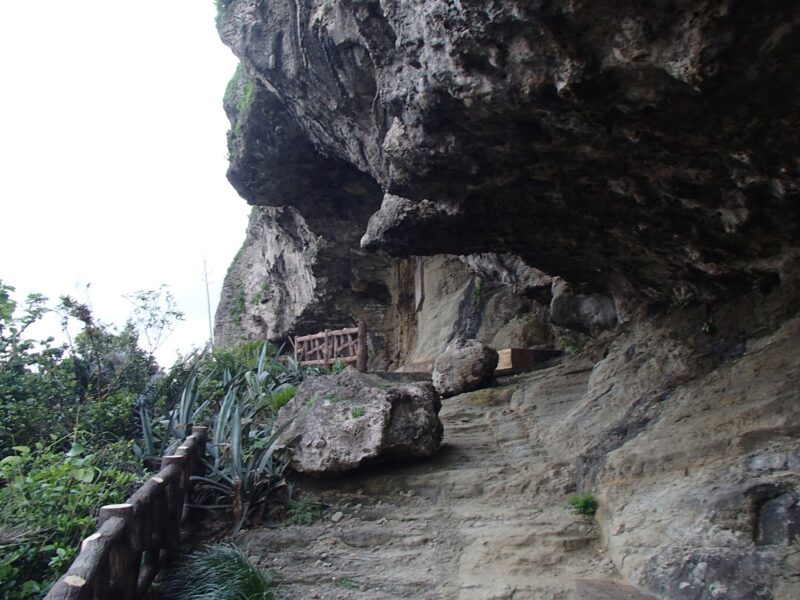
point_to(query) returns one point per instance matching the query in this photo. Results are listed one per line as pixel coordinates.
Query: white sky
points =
(112, 154)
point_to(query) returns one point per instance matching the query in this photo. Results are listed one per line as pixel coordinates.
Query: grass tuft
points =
(220, 572)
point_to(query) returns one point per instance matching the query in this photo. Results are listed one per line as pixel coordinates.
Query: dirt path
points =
(484, 519)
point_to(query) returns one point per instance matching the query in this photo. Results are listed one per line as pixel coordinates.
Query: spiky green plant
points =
(220, 572)
(244, 473)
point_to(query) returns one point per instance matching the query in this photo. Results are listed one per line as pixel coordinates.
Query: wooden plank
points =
(344, 359)
(419, 284)
(518, 360)
(361, 363)
(321, 334)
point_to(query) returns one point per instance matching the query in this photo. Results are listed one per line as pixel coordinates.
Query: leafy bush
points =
(50, 502)
(226, 574)
(583, 504)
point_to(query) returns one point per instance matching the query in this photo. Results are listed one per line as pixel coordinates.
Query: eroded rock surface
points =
(596, 140)
(642, 152)
(693, 503)
(350, 420)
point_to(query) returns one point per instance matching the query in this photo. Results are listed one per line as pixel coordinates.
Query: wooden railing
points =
(134, 539)
(348, 346)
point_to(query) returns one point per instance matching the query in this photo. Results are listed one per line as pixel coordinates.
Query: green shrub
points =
(48, 503)
(220, 572)
(583, 504)
(357, 412)
(111, 416)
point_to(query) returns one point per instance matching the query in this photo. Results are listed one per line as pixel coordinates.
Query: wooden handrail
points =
(327, 347)
(122, 558)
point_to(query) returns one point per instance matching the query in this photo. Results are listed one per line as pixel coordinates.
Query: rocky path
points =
(484, 519)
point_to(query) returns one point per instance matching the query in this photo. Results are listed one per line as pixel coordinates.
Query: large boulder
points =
(465, 365)
(341, 422)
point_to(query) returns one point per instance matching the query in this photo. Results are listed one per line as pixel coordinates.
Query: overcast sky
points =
(112, 154)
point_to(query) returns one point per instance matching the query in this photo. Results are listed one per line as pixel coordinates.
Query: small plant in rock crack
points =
(478, 290)
(358, 412)
(302, 511)
(583, 504)
(347, 583)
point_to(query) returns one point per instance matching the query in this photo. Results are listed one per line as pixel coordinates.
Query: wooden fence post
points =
(172, 472)
(123, 558)
(133, 540)
(361, 363)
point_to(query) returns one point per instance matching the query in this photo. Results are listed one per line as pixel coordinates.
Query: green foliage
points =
(479, 290)
(303, 511)
(583, 504)
(50, 500)
(38, 386)
(347, 583)
(239, 306)
(220, 572)
(357, 412)
(572, 342)
(244, 102)
(708, 327)
(112, 416)
(262, 292)
(230, 89)
(244, 474)
(53, 475)
(280, 398)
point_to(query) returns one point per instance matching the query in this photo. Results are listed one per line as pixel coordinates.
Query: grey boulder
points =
(341, 422)
(465, 365)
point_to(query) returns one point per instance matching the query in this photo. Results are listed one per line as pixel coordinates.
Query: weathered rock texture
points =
(350, 420)
(465, 365)
(654, 139)
(688, 439)
(645, 153)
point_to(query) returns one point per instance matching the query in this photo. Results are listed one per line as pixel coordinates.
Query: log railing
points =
(348, 346)
(134, 539)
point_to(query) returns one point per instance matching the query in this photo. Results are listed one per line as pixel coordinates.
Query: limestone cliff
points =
(618, 178)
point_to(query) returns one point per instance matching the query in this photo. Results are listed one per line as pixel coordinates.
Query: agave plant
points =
(243, 471)
(178, 423)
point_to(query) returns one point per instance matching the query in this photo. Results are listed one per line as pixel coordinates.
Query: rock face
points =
(465, 365)
(621, 180)
(655, 140)
(350, 420)
(581, 311)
